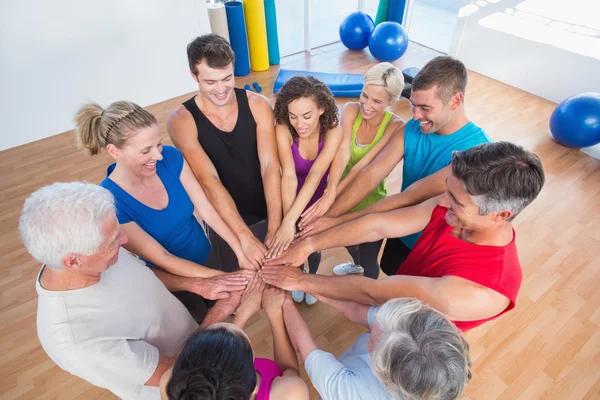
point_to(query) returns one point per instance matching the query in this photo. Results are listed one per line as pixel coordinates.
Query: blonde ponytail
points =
(96, 127)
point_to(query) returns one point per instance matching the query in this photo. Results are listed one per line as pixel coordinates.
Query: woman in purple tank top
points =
(218, 361)
(308, 139)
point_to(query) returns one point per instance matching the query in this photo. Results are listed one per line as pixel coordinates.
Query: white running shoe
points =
(298, 296)
(348, 268)
(310, 299)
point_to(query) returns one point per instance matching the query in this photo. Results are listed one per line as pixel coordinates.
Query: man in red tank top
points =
(465, 264)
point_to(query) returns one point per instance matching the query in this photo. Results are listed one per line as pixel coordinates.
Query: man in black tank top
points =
(227, 137)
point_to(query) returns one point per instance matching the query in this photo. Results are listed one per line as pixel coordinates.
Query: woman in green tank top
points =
(368, 125)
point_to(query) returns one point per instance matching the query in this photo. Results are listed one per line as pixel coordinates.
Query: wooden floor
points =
(548, 348)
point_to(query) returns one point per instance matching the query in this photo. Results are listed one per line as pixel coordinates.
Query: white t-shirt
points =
(111, 333)
(350, 376)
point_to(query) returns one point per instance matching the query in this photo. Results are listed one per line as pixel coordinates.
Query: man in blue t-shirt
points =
(439, 126)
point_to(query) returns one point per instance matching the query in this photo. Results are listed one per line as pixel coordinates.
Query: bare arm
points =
(395, 127)
(164, 364)
(338, 166)
(182, 130)
(285, 234)
(354, 311)
(457, 298)
(269, 159)
(418, 192)
(145, 246)
(300, 335)
(318, 169)
(285, 355)
(289, 180)
(370, 176)
(370, 228)
(217, 287)
(211, 217)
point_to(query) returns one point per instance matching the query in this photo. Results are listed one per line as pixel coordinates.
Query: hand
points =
(319, 208)
(246, 264)
(218, 287)
(269, 238)
(319, 225)
(284, 278)
(251, 301)
(283, 237)
(253, 249)
(230, 304)
(272, 299)
(294, 256)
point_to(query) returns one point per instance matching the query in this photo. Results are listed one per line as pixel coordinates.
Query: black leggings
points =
(365, 255)
(394, 254)
(313, 262)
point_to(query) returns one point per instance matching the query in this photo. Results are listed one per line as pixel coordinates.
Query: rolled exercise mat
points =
(272, 37)
(256, 26)
(382, 11)
(237, 37)
(396, 11)
(341, 85)
(218, 19)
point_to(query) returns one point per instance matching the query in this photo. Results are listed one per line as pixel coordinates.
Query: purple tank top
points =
(268, 371)
(303, 168)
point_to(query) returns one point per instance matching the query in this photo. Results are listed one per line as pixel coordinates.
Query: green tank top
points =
(357, 153)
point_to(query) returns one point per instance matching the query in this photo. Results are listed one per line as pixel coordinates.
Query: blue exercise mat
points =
(341, 85)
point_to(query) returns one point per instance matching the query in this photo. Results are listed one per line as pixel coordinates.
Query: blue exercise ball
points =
(576, 121)
(388, 41)
(355, 30)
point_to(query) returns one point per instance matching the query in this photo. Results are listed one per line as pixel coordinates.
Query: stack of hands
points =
(256, 295)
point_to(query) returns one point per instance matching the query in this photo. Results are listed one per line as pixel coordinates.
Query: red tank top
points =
(437, 253)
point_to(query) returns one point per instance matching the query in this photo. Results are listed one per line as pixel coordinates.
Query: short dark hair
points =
(299, 87)
(500, 176)
(213, 49)
(445, 72)
(214, 364)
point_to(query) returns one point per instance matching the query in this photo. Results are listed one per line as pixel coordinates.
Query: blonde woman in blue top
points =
(156, 195)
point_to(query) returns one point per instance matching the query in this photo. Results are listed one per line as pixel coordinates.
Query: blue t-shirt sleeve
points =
(173, 160)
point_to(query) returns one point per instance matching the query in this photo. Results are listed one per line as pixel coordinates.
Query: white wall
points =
(57, 54)
(550, 48)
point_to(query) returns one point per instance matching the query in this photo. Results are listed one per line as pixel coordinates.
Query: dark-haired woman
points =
(218, 362)
(308, 139)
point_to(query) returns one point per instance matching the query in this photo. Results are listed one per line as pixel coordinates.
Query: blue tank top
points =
(175, 227)
(425, 154)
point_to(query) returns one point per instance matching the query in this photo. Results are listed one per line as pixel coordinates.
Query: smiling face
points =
(215, 84)
(432, 113)
(463, 213)
(304, 115)
(141, 151)
(374, 100)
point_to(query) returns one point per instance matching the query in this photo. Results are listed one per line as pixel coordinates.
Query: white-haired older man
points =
(411, 352)
(102, 314)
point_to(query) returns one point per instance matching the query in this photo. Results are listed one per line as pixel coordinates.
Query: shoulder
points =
(180, 117)
(350, 110)
(289, 388)
(258, 103)
(396, 124)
